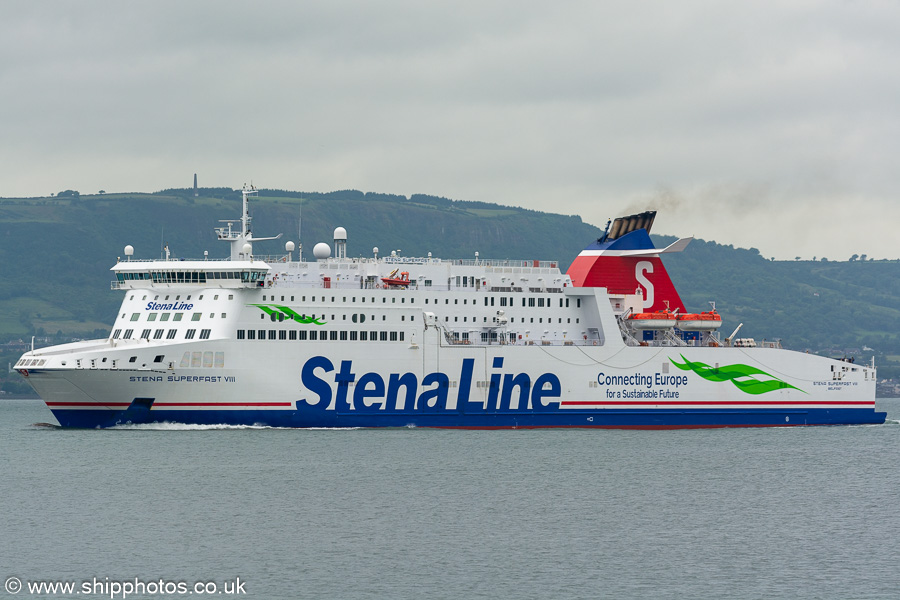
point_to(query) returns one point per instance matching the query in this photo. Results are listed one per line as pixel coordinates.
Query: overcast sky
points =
(766, 124)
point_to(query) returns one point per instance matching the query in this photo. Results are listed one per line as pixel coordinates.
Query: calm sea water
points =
(738, 513)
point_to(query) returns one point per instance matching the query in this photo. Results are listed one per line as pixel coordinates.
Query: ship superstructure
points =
(423, 341)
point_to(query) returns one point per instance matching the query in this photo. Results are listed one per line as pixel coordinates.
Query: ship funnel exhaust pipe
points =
(616, 228)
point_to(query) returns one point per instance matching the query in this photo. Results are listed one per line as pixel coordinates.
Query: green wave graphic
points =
(274, 309)
(742, 376)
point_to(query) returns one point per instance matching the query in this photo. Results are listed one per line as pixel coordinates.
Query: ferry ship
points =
(395, 341)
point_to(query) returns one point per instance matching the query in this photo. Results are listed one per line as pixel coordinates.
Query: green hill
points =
(57, 253)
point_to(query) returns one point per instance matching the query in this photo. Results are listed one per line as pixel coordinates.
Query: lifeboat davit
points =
(705, 321)
(653, 320)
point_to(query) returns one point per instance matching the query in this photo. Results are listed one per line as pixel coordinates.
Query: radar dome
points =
(129, 250)
(247, 248)
(321, 251)
(289, 246)
(340, 233)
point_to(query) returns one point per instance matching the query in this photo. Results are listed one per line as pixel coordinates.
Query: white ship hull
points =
(471, 344)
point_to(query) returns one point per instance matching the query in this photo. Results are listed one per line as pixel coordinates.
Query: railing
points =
(498, 342)
(487, 262)
(211, 283)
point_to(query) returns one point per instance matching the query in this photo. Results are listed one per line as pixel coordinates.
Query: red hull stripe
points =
(718, 403)
(156, 404)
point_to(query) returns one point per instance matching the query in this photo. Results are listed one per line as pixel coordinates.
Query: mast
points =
(242, 241)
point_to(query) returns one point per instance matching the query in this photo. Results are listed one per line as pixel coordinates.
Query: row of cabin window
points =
(488, 300)
(361, 318)
(513, 319)
(272, 298)
(178, 297)
(508, 301)
(322, 335)
(355, 317)
(158, 334)
(175, 317)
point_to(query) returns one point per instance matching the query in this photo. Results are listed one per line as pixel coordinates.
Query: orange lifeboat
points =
(705, 321)
(393, 281)
(663, 319)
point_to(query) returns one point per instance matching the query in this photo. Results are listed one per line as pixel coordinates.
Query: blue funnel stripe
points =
(638, 239)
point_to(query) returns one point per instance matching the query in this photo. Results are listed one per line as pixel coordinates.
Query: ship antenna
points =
(299, 233)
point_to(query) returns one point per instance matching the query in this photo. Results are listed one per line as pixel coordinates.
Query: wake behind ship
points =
(391, 341)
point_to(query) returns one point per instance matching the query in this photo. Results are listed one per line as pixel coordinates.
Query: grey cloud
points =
(578, 107)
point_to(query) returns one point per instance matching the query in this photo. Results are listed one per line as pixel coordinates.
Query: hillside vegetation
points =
(57, 253)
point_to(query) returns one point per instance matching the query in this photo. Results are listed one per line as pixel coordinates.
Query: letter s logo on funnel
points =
(645, 266)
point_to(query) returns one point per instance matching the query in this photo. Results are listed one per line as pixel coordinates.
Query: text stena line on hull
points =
(395, 341)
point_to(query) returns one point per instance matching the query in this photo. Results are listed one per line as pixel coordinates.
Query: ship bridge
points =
(166, 273)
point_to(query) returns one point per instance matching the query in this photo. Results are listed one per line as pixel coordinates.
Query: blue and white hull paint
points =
(477, 388)
(345, 342)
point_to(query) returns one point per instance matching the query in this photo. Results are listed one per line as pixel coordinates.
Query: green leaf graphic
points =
(742, 376)
(274, 309)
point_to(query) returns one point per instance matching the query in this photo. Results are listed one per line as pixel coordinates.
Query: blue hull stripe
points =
(645, 419)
